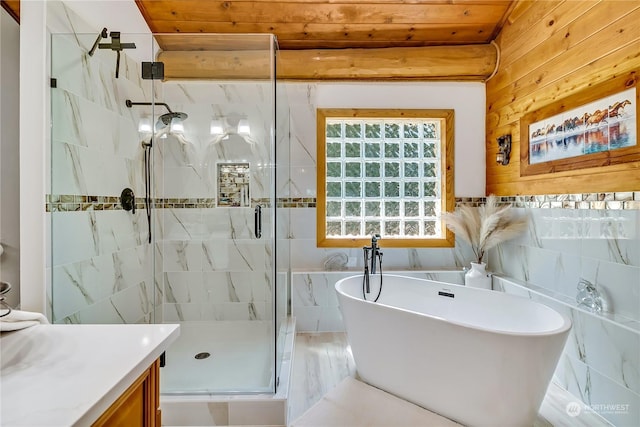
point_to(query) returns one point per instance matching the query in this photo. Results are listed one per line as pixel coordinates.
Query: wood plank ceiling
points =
(328, 39)
(331, 24)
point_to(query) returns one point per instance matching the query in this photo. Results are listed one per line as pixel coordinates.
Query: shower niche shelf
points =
(233, 185)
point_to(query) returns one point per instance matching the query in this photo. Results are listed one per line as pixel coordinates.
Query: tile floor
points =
(322, 361)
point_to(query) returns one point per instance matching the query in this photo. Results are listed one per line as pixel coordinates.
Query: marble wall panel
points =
(184, 287)
(619, 285)
(235, 223)
(216, 312)
(119, 230)
(80, 285)
(564, 246)
(306, 255)
(314, 301)
(101, 267)
(612, 236)
(78, 228)
(133, 305)
(181, 255)
(303, 136)
(183, 182)
(598, 393)
(182, 224)
(233, 255)
(68, 176)
(215, 268)
(236, 287)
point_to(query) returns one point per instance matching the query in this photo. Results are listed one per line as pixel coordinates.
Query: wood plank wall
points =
(550, 50)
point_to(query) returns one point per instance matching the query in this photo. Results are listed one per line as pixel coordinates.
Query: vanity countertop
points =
(66, 375)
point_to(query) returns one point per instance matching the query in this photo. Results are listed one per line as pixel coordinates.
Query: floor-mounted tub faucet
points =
(372, 255)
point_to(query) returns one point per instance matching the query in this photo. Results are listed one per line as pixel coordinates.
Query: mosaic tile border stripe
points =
(76, 203)
(597, 201)
(296, 202)
(611, 201)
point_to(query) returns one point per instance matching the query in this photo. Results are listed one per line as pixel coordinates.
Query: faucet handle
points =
(586, 285)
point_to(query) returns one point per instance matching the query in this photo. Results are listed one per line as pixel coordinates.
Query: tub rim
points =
(564, 328)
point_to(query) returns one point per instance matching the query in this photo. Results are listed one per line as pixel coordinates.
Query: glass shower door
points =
(215, 204)
(201, 250)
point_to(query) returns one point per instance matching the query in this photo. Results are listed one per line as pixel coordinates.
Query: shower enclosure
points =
(163, 199)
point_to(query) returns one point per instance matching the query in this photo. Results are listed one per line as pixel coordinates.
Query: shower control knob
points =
(128, 200)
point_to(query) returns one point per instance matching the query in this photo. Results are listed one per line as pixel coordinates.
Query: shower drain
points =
(202, 355)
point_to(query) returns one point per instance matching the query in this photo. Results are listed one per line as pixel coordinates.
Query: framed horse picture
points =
(592, 128)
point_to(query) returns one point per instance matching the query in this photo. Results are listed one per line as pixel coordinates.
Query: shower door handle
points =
(257, 221)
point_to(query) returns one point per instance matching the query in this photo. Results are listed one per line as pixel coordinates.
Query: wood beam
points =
(13, 8)
(466, 62)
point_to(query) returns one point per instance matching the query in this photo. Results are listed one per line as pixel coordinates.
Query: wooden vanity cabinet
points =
(139, 405)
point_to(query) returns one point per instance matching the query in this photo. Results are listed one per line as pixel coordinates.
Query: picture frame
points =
(595, 127)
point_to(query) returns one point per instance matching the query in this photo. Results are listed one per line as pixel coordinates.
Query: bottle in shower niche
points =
(477, 276)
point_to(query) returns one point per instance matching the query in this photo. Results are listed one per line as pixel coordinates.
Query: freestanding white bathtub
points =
(479, 357)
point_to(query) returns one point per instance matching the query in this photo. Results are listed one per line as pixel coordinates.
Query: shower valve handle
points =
(128, 200)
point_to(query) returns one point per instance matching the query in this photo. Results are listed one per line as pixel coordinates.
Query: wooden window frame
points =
(446, 118)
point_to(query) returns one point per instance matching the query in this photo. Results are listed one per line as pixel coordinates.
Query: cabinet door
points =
(138, 406)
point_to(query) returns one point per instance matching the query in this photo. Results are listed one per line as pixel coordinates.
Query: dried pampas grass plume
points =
(486, 226)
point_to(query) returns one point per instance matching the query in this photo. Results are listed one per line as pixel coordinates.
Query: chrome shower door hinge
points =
(152, 70)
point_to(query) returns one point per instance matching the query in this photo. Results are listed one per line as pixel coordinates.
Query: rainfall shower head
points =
(168, 117)
(165, 119)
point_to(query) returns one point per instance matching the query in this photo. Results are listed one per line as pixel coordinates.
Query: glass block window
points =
(384, 172)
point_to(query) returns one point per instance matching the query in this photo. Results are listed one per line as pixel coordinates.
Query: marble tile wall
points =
(563, 246)
(207, 264)
(314, 302)
(213, 265)
(100, 266)
(566, 245)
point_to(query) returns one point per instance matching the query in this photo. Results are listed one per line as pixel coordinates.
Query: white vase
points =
(477, 276)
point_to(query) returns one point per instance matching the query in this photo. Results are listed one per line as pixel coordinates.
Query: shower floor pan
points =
(219, 357)
(233, 384)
